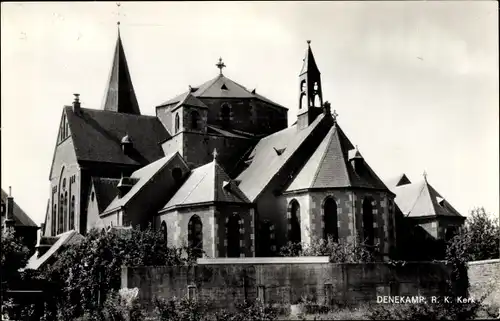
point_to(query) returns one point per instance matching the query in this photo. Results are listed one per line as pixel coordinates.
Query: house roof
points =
(220, 87)
(207, 183)
(329, 166)
(421, 199)
(142, 177)
(264, 160)
(20, 216)
(97, 136)
(120, 95)
(105, 191)
(190, 100)
(66, 238)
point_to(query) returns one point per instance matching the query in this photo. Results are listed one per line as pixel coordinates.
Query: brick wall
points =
(484, 276)
(286, 283)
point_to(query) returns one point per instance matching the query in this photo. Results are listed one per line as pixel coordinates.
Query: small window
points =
(92, 196)
(223, 87)
(64, 184)
(225, 113)
(177, 123)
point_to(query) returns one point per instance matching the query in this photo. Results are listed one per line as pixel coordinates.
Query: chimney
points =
(326, 108)
(76, 104)
(9, 218)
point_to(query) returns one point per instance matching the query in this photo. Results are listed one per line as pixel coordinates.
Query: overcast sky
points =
(415, 84)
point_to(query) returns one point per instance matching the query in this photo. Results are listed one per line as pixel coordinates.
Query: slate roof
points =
(190, 100)
(264, 162)
(212, 89)
(143, 176)
(309, 62)
(105, 191)
(329, 166)
(206, 184)
(120, 94)
(97, 136)
(66, 238)
(421, 199)
(20, 216)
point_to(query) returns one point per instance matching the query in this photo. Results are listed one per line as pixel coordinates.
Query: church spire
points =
(120, 95)
(311, 94)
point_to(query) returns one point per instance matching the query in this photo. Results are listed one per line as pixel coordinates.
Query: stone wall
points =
(484, 276)
(276, 280)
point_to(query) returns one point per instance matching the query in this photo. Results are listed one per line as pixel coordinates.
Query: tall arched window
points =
(330, 220)
(294, 234)
(61, 214)
(177, 123)
(225, 112)
(195, 118)
(233, 236)
(164, 231)
(368, 231)
(72, 214)
(65, 219)
(195, 236)
(54, 220)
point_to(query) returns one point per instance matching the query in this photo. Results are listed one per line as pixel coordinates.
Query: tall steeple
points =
(120, 95)
(311, 95)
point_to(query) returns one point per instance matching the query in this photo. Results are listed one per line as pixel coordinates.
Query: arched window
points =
(65, 219)
(233, 236)
(72, 214)
(330, 220)
(294, 234)
(177, 123)
(368, 231)
(177, 174)
(164, 231)
(225, 112)
(195, 236)
(61, 214)
(195, 118)
(54, 220)
(303, 90)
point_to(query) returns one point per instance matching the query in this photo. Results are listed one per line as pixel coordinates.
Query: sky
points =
(415, 84)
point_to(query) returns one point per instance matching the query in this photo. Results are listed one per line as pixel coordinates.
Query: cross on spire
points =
(220, 65)
(215, 153)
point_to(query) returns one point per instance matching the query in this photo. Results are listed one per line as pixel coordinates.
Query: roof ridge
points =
(114, 112)
(315, 177)
(416, 199)
(210, 84)
(197, 184)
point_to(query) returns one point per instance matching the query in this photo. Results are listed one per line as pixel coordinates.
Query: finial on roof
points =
(425, 176)
(334, 115)
(309, 42)
(118, 22)
(214, 153)
(10, 191)
(220, 65)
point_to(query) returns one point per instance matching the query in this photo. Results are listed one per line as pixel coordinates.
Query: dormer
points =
(126, 144)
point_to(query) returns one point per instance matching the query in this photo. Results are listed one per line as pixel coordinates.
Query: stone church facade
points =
(217, 169)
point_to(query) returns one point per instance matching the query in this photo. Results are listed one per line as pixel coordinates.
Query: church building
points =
(218, 169)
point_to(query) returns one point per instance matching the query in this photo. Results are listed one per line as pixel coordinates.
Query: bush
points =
(339, 252)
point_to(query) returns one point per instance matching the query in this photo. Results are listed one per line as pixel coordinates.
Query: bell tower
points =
(311, 95)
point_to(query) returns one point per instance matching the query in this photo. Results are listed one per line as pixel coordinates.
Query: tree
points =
(483, 236)
(15, 255)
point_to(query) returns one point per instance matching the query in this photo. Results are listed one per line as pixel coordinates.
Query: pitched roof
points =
(20, 216)
(309, 62)
(120, 95)
(264, 162)
(421, 199)
(190, 100)
(142, 177)
(214, 89)
(105, 191)
(329, 166)
(66, 238)
(97, 136)
(207, 183)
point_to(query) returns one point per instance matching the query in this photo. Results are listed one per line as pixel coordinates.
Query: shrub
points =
(184, 309)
